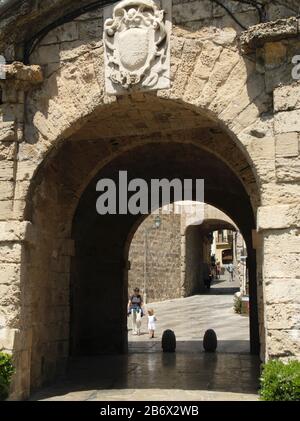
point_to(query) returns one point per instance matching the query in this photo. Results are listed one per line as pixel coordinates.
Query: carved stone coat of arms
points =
(137, 46)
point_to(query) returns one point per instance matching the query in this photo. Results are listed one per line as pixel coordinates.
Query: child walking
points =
(151, 323)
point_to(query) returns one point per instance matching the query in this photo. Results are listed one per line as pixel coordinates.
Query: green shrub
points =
(280, 382)
(237, 304)
(6, 372)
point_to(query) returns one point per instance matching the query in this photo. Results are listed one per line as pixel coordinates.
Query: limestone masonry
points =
(210, 97)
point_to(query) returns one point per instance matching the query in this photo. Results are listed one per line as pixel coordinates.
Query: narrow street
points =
(190, 317)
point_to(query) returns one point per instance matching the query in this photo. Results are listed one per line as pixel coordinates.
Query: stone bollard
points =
(168, 341)
(210, 341)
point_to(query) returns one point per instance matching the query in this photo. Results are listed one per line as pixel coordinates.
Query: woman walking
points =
(135, 308)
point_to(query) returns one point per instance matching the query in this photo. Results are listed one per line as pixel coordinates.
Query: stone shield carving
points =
(137, 42)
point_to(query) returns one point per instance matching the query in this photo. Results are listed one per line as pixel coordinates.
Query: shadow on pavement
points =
(189, 368)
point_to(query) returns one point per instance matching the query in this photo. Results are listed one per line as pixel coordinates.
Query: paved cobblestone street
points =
(189, 374)
(190, 317)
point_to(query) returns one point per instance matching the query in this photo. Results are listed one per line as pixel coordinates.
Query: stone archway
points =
(64, 179)
(173, 270)
(63, 134)
(72, 238)
(197, 245)
(88, 226)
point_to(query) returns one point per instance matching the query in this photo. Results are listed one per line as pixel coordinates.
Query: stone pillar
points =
(241, 263)
(15, 333)
(195, 250)
(280, 228)
(19, 79)
(254, 330)
(258, 246)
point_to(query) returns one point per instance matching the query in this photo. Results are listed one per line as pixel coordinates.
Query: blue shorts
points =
(136, 310)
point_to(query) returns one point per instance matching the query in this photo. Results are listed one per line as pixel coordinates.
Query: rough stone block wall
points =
(275, 46)
(163, 279)
(280, 223)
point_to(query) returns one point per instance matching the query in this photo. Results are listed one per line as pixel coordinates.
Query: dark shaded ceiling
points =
(184, 161)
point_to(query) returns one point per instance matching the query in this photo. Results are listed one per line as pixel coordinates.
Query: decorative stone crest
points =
(137, 47)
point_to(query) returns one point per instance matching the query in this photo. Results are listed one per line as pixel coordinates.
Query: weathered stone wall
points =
(216, 85)
(163, 278)
(280, 223)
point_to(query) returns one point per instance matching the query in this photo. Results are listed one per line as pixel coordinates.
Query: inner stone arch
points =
(142, 118)
(166, 262)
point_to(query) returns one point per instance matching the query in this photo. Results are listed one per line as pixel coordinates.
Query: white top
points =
(151, 322)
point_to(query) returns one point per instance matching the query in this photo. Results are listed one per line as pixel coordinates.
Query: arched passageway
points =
(78, 271)
(172, 259)
(198, 252)
(166, 261)
(104, 259)
(230, 114)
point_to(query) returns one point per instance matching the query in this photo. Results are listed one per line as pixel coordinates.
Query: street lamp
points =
(157, 224)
